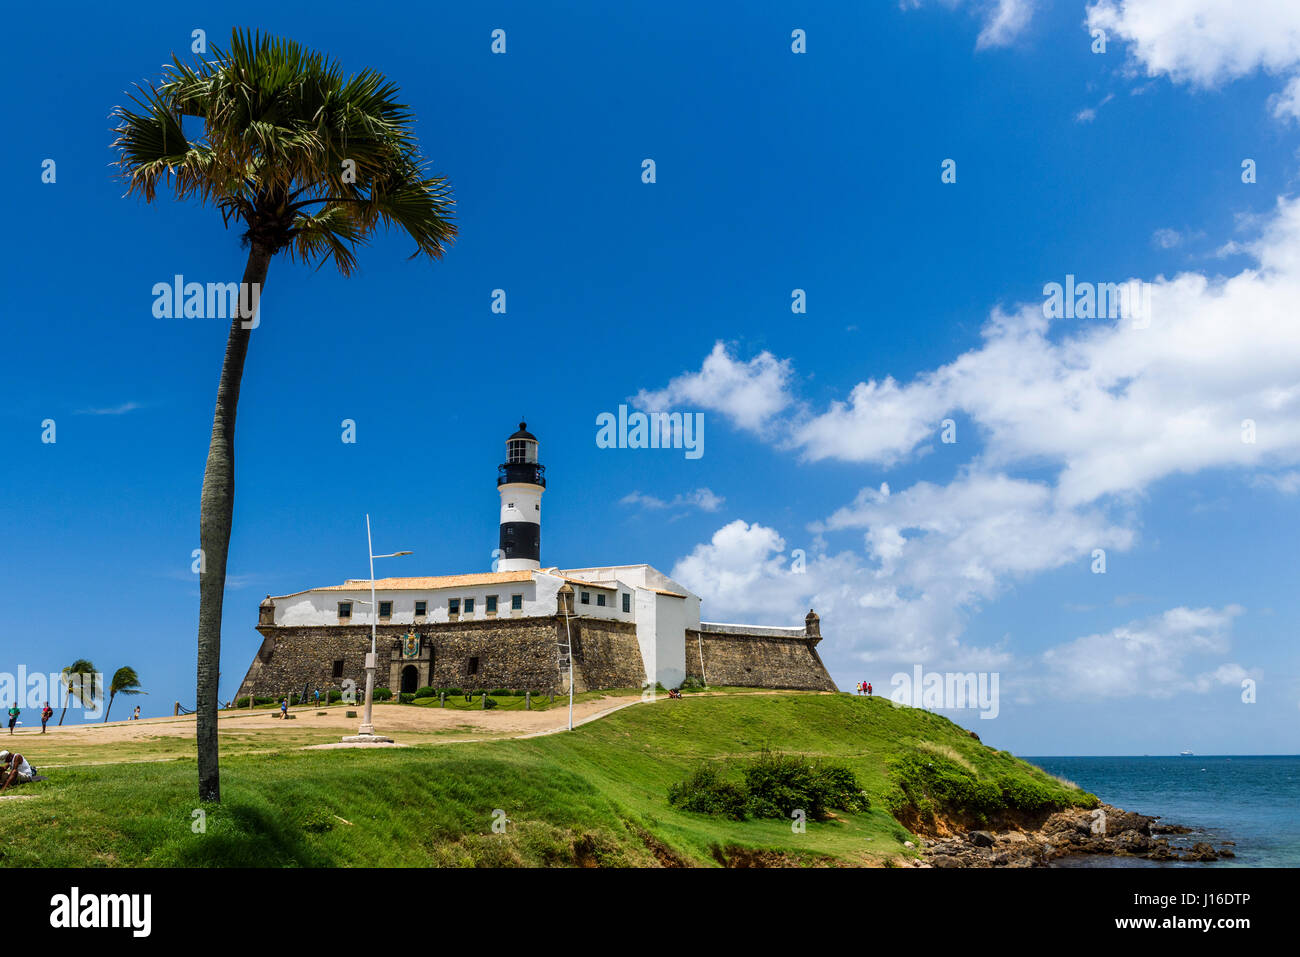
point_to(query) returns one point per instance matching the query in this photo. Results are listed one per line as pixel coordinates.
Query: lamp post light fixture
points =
(366, 733)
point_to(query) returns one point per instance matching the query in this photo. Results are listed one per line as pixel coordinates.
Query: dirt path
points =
(392, 720)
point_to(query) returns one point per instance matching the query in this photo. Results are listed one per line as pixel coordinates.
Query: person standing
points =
(136, 716)
(13, 716)
(868, 689)
(46, 714)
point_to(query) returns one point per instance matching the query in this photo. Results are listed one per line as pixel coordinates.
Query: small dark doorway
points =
(410, 679)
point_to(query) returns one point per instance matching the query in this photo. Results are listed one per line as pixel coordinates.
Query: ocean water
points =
(1252, 800)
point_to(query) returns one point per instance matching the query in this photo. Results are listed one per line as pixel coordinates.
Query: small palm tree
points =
(306, 161)
(125, 681)
(79, 680)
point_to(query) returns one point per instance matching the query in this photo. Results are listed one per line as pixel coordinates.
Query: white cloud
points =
(1114, 406)
(702, 498)
(1206, 43)
(122, 409)
(1003, 20)
(749, 393)
(1288, 483)
(1286, 105)
(933, 555)
(1148, 657)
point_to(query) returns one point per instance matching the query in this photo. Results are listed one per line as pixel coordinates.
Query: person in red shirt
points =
(46, 714)
(868, 689)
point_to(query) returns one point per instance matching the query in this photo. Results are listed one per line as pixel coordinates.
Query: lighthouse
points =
(520, 483)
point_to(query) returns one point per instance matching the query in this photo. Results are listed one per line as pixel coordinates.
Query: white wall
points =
(321, 607)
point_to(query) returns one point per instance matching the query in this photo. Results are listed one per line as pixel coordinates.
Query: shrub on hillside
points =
(707, 792)
(774, 785)
(778, 784)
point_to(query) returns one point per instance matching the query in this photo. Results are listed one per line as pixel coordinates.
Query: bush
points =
(382, 694)
(774, 786)
(425, 693)
(706, 792)
(451, 692)
(406, 697)
(691, 684)
(333, 696)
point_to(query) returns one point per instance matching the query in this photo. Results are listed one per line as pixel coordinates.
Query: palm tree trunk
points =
(111, 696)
(216, 512)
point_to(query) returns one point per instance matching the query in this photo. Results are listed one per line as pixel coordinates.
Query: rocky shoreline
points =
(1102, 830)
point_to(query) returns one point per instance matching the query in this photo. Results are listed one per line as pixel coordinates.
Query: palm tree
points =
(306, 161)
(125, 681)
(78, 680)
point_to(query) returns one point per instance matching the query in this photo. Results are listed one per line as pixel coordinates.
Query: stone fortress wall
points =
(524, 654)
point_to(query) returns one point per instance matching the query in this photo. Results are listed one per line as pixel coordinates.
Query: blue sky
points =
(775, 171)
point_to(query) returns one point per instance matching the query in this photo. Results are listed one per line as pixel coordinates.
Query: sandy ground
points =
(389, 720)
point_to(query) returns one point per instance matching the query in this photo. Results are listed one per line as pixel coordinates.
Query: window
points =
(627, 603)
(345, 609)
(472, 667)
(516, 602)
(600, 600)
(421, 608)
(338, 667)
(469, 606)
(385, 609)
(586, 598)
(491, 604)
(453, 606)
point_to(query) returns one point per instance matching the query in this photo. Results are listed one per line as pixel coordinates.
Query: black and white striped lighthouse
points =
(521, 482)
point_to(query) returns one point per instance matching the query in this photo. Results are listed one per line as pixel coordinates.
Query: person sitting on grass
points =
(14, 767)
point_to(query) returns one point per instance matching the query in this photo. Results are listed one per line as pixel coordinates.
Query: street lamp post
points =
(366, 733)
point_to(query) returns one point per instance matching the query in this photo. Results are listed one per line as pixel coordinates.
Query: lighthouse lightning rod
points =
(367, 722)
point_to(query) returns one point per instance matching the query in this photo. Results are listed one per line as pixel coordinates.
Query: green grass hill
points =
(596, 796)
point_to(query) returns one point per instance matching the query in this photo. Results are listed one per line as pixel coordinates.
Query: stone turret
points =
(266, 612)
(812, 627)
(564, 599)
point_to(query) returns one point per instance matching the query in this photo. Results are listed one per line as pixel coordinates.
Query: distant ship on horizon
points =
(1185, 754)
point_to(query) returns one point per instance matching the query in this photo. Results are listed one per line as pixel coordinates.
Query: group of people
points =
(864, 687)
(47, 713)
(14, 711)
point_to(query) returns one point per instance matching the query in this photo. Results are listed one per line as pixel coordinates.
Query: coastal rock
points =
(1102, 830)
(1201, 851)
